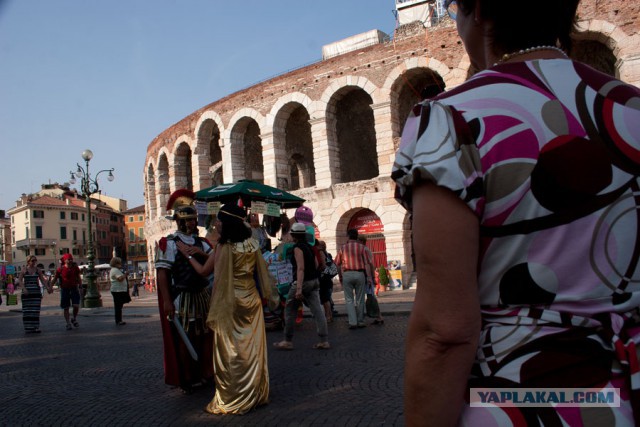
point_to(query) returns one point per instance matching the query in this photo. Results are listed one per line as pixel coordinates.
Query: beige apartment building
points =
(54, 221)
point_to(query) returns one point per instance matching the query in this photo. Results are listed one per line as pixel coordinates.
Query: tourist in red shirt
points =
(69, 279)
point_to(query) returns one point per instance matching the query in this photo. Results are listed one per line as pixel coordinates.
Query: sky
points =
(112, 75)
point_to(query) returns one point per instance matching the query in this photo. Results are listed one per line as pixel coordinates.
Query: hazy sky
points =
(110, 75)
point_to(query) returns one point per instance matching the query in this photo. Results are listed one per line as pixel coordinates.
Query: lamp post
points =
(90, 186)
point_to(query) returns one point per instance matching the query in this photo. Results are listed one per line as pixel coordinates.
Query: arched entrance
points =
(369, 225)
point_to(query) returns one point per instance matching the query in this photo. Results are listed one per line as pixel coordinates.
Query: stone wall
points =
(371, 89)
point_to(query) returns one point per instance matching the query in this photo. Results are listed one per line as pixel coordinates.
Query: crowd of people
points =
(522, 184)
(215, 293)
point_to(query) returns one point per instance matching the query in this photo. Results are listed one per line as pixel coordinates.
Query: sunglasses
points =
(452, 8)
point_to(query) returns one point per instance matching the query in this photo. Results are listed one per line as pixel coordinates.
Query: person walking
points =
(183, 300)
(352, 261)
(118, 289)
(326, 279)
(68, 278)
(236, 317)
(305, 288)
(31, 295)
(371, 303)
(523, 184)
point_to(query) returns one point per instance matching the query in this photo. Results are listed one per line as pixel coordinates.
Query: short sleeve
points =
(437, 146)
(166, 258)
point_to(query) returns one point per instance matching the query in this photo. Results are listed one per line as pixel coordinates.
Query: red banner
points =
(366, 222)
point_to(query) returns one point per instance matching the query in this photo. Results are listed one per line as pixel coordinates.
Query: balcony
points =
(34, 243)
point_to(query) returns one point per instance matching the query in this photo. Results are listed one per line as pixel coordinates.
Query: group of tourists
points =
(32, 282)
(67, 276)
(212, 296)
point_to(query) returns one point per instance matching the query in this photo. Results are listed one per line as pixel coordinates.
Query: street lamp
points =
(90, 186)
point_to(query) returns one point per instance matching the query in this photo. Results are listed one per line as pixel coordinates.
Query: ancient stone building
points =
(328, 131)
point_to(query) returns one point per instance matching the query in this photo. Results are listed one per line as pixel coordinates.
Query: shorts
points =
(326, 286)
(69, 296)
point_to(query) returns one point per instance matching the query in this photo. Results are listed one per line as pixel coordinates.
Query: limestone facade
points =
(327, 132)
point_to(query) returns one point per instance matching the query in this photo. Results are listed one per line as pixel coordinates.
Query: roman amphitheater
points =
(327, 132)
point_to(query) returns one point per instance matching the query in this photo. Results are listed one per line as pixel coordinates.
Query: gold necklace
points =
(507, 56)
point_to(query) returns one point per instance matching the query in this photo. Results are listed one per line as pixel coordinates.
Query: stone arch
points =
(293, 147)
(351, 123)
(162, 178)
(182, 166)
(150, 188)
(599, 43)
(408, 79)
(208, 149)
(345, 210)
(246, 146)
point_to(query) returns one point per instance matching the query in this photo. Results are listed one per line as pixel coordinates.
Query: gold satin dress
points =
(240, 352)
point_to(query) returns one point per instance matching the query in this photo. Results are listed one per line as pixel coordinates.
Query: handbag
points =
(128, 298)
(12, 299)
(331, 269)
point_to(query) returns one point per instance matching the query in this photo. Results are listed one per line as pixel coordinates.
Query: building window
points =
(143, 249)
(140, 218)
(26, 232)
(141, 233)
(130, 219)
(83, 218)
(132, 250)
(62, 215)
(41, 251)
(132, 235)
(75, 251)
(38, 232)
(38, 214)
(74, 215)
(75, 234)
(63, 233)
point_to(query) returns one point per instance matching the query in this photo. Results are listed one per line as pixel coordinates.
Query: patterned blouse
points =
(547, 154)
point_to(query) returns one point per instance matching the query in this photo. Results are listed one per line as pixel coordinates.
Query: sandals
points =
(283, 345)
(69, 327)
(75, 323)
(322, 345)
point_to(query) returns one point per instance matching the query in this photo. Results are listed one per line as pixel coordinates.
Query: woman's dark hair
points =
(520, 25)
(234, 228)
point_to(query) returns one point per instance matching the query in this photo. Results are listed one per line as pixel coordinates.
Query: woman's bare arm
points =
(445, 321)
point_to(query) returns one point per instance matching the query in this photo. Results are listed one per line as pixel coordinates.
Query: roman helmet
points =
(181, 202)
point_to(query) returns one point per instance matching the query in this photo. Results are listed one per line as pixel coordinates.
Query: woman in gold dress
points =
(236, 316)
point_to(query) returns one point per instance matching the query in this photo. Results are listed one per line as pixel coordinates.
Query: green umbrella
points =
(248, 191)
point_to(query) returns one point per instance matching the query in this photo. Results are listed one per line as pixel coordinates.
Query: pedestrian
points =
(523, 184)
(327, 273)
(68, 278)
(305, 288)
(135, 291)
(31, 295)
(236, 314)
(183, 300)
(371, 303)
(119, 289)
(352, 261)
